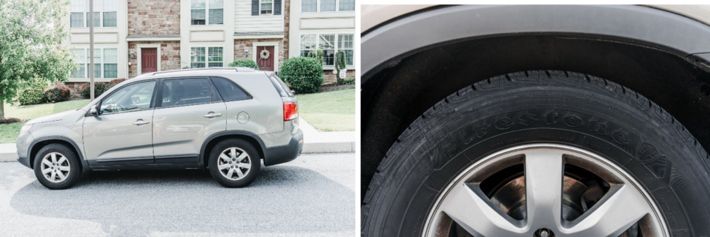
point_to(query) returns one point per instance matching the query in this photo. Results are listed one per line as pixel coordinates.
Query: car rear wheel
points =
(56, 166)
(234, 163)
(543, 153)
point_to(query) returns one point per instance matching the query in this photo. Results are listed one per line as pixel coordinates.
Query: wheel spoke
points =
(239, 172)
(230, 173)
(224, 157)
(62, 160)
(244, 165)
(54, 157)
(61, 175)
(474, 214)
(46, 162)
(64, 168)
(54, 175)
(224, 166)
(544, 170)
(241, 156)
(233, 152)
(615, 213)
(47, 170)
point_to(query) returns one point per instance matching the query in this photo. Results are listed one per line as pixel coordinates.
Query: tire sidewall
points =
(426, 160)
(253, 156)
(74, 172)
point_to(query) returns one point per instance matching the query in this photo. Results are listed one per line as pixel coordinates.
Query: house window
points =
(345, 44)
(309, 5)
(326, 43)
(207, 12)
(266, 7)
(104, 14)
(214, 58)
(110, 63)
(327, 5)
(80, 57)
(346, 5)
(197, 57)
(105, 63)
(201, 57)
(308, 45)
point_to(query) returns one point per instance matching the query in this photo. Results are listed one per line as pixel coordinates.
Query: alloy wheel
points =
(234, 163)
(544, 190)
(55, 167)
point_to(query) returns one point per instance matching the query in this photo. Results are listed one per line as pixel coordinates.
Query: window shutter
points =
(277, 7)
(254, 7)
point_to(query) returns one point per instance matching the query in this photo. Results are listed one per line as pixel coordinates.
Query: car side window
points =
(229, 90)
(188, 91)
(130, 98)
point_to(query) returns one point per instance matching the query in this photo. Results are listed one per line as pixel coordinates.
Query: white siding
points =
(245, 22)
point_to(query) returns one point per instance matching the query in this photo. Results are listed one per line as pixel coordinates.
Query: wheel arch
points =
(401, 80)
(37, 145)
(221, 136)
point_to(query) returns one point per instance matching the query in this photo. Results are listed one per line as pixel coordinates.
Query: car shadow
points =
(136, 203)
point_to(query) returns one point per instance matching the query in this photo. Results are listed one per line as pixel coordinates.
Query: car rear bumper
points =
(281, 154)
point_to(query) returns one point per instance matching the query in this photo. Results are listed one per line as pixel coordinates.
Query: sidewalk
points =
(314, 142)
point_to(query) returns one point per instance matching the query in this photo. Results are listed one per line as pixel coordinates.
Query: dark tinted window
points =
(229, 90)
(189, 91)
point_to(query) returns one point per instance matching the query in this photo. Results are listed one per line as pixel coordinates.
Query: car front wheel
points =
(56, 166)
(541, 153)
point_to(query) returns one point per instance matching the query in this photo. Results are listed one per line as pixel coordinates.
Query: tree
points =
(31, 35)
(339, 66)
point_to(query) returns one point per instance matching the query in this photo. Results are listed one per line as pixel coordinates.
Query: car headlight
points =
(25, 128)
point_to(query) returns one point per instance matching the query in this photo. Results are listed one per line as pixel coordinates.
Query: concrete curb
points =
(315, 142)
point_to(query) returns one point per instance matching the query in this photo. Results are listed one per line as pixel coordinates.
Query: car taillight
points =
(290, 110)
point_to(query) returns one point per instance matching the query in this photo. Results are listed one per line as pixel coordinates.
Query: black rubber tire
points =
(74, 166)
(246, 146)
(540, 107)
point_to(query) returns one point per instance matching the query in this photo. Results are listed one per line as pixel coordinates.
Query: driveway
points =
(311, 196)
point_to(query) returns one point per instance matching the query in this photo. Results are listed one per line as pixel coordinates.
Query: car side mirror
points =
(93, 111)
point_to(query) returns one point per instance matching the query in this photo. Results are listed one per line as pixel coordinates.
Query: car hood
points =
(55, 118)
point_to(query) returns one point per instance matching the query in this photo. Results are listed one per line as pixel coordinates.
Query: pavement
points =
(314, 142)
(310, 196)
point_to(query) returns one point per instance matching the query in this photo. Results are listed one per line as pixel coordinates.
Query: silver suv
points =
(226, 120)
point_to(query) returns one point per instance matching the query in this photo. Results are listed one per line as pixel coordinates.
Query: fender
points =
(228, 133)
(387, 43)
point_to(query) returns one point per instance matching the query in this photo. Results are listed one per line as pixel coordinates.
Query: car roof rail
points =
(237, 69)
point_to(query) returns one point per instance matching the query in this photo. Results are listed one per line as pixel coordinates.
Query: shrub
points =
(32, 93)
(244, 63)
(58, 93)
(303, 74)
(99, 87)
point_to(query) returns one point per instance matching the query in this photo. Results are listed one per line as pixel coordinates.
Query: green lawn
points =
(9, 132)
(329, 111)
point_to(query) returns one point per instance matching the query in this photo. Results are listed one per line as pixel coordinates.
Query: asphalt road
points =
(311, 196)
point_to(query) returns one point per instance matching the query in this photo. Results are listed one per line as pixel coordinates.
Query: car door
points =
(122, 129)
(188, 111)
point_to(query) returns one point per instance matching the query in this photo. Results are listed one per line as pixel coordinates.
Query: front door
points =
(149, 60)
(265, 57)
(123, 130)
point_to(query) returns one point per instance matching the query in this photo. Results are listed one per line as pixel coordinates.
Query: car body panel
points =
(180, 131)
(115, 136)
(382, 43)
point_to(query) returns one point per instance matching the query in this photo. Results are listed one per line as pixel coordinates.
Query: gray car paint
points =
(120, 139)
(632, 24)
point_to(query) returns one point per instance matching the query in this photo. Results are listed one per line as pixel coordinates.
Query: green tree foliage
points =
(303, 74)
(339, 65)
(244, 63)
(31, 35)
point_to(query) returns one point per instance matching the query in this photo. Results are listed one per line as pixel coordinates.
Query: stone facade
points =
(242, 45)
(287, 33)
(154, 18)
(330, 78)
(169, 56)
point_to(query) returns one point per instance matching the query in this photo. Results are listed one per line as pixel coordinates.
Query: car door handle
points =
(212, 115)
(140, 122)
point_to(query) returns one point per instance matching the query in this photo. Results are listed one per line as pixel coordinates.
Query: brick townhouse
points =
(134, 37)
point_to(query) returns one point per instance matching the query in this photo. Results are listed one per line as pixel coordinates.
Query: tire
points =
(73, 174)
(552, 107)
(240, 146)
